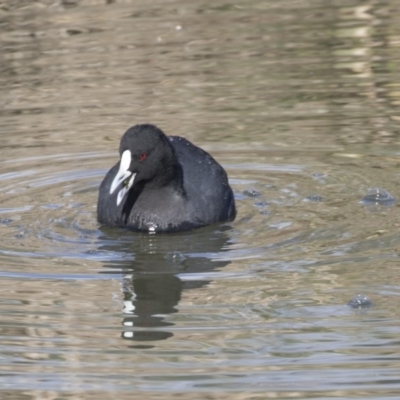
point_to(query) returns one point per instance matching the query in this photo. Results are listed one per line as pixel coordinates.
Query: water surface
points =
(299, 102)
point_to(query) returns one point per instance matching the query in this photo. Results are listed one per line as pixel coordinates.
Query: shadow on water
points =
(164, 265)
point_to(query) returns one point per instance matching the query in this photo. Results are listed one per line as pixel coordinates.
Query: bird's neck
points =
(171, 177)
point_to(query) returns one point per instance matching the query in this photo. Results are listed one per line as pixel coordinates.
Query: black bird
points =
(163, 184)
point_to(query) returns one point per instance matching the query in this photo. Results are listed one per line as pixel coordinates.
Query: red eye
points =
(142, 157)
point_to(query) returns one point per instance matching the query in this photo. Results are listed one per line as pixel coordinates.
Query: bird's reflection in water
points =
(153, 282)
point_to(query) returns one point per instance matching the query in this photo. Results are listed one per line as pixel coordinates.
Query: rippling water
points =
(299, 101)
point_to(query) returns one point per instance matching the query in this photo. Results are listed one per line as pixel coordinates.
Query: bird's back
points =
(205, 182)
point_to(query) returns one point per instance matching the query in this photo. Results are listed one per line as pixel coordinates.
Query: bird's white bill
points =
(125, 189)
(122, 174)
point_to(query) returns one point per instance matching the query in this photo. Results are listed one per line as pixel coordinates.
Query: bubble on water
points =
(314, 197)
(378, 196)
(251, 193)
(360, 301)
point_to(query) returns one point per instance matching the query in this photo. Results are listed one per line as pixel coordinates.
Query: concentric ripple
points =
(48, 211)
(271, 282)
(48, 208)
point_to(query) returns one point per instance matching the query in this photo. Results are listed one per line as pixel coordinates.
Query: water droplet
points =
(152, 227)
(175, 257)
(378, 196)
(360, 301)
(251, 193)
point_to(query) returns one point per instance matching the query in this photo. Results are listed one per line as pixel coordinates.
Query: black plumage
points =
(163, 184)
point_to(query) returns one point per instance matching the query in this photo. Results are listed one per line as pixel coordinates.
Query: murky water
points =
(299, 100)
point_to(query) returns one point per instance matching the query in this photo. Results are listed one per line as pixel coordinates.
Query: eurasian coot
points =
(163, 184)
